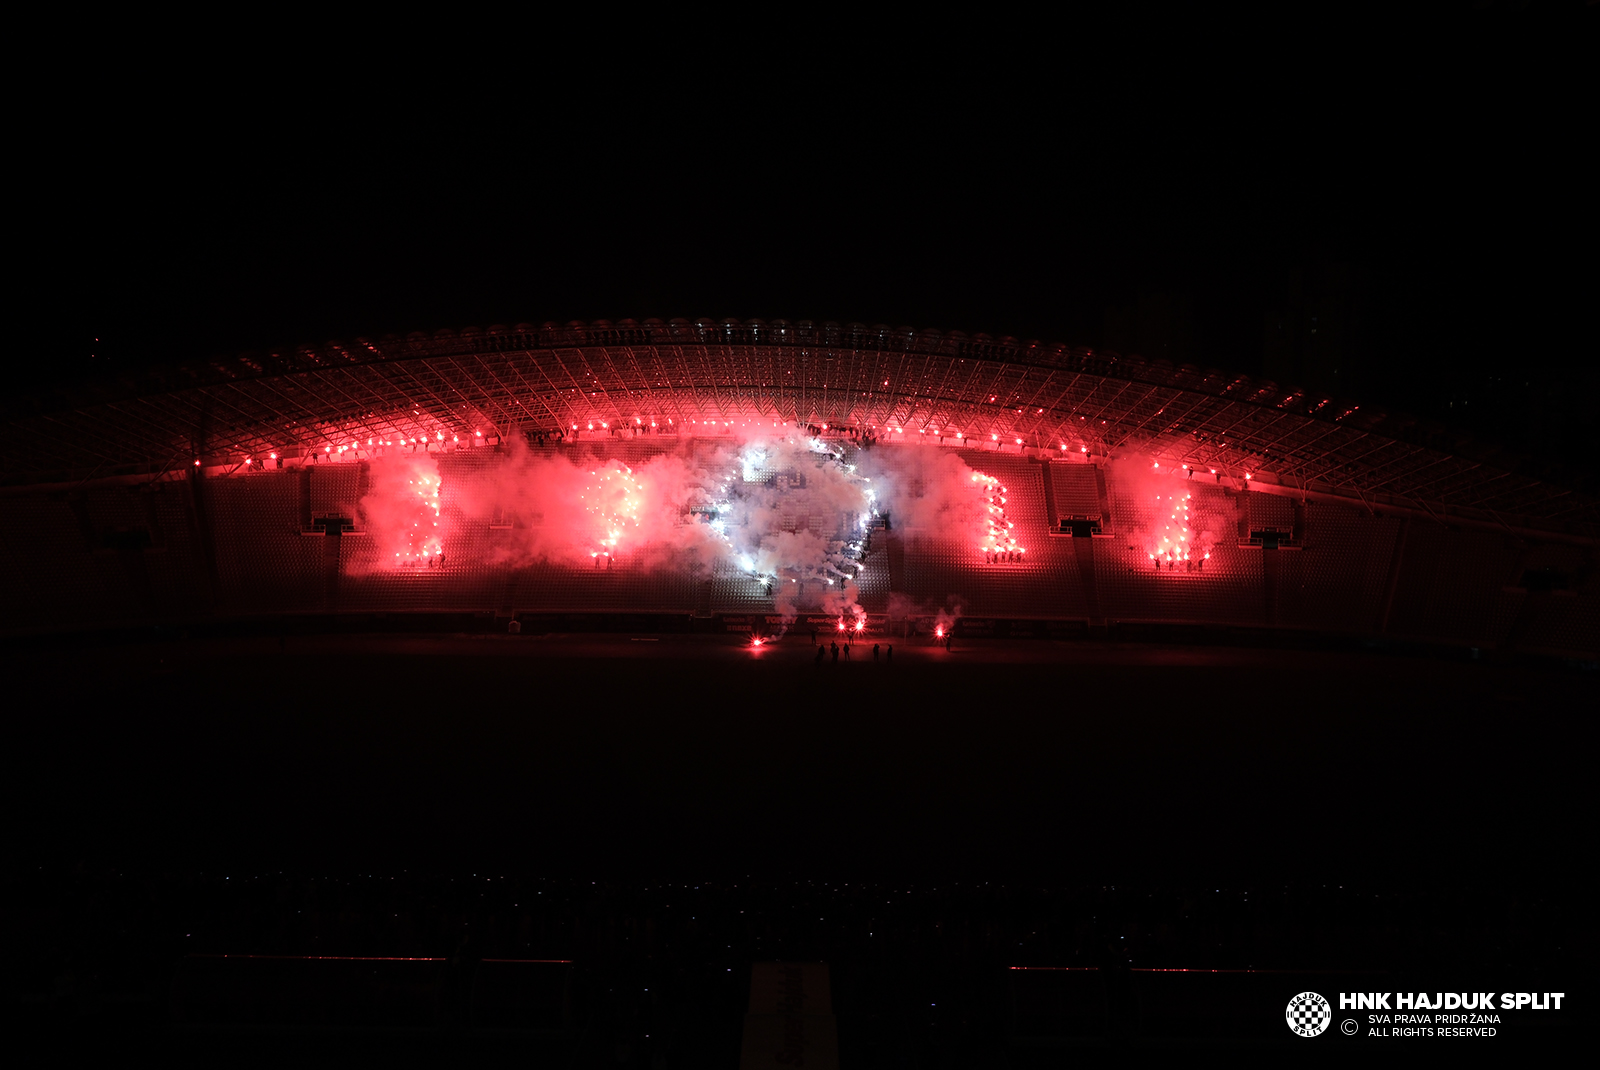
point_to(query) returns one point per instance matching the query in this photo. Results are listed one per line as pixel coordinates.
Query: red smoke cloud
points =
(401, 510)
(1165, 517)
(784, 512)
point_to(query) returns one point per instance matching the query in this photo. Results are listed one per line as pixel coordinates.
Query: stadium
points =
(658, 693)
(1105, 494)
(511, 688)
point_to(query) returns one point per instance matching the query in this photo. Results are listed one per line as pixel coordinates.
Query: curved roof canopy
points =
(904, 383)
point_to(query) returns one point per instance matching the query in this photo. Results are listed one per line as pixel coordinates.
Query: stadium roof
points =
(902, 382)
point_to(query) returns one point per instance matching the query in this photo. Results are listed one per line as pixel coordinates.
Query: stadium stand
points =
(1388, 532)
(1229, 588)
(1271, 512)
(334, 489)
(1228, 591)
(1339, 581)
(940, 565)
(1452, 585)
(123, 552)
(127, 553)
(264, 563)
(64, 578)
(1560, 623)
(176, 576)
(1075, 489)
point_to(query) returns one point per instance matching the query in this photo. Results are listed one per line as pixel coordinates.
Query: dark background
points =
(1380, 206)
(663, 814)
(594, 757)
(1374, 205)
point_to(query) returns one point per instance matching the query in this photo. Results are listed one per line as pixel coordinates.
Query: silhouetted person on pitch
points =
(890, 654)
(874, 651)
(817, 661)
(847, 652)
(835, 653)
(813, 637)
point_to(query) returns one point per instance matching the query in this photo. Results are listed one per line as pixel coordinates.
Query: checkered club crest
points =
(1308, 1014)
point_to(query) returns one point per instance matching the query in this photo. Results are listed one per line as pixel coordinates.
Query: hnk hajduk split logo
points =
(1308, 1014)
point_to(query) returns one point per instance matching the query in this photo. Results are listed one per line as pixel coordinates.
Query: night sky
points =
(1381, 210)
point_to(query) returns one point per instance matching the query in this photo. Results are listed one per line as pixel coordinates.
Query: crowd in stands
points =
(864, 438)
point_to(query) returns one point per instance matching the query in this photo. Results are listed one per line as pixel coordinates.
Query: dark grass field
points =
(663, 811)
(694, 755)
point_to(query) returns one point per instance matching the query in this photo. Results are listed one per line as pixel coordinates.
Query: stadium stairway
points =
(1084, 548)
(897, 561)
(1052, 510)
(332, 543)
(1269, 587)
(1396, 559)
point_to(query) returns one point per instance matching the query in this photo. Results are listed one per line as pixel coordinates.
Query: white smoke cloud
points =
(785, 511)
(929, 487)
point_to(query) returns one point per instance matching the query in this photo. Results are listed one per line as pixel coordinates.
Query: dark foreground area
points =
(660, 812)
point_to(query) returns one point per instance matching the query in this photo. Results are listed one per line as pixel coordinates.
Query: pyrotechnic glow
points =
(612, 496)
(999, 543)
(789, 511)
(754, 463)
(1178, 532)
(1173, 543)
(422, 543)
(401, 511)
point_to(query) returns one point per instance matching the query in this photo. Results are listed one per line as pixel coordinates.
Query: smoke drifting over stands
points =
(1318, 709)
(791, 511)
